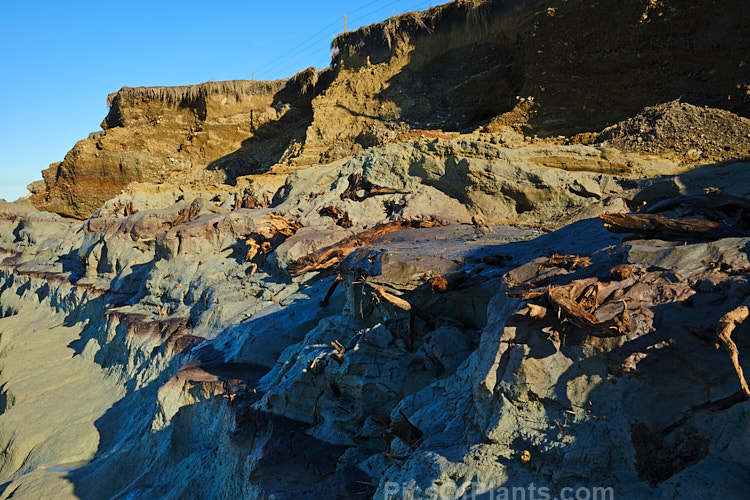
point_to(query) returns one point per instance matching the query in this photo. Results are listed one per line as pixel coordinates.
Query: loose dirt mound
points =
(681, 130)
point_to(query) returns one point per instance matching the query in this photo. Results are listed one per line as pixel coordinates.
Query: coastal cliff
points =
(563, 68)
(494, 245)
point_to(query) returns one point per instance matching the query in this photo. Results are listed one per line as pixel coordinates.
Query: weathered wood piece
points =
(338, 214)
(259, 241)
(727, 325)
(332, 255)
(670, 228)
(358, 182)
(567, 262)
(188, 214)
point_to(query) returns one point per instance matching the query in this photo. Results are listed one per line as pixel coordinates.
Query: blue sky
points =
(61, 59)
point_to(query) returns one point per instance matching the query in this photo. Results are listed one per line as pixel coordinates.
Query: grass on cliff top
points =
(400, 28)
(188, 93)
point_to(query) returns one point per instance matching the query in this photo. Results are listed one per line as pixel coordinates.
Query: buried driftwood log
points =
(358, 182)
(331, 256)
(721, 216)
(713, 205)
(670, 228)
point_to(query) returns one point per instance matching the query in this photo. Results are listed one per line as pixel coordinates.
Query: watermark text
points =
(475, 491)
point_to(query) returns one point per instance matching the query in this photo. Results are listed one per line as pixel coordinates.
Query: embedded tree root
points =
(358, 182)
(315, 408)
(188, 214)
(130, 209)
(394, 300)
(621, 272)
(338, 354)
(438, 284)
(331, 256)
(338, 214)
(718, 405)
(560, 300)
(596, 309)
(404, 431)
(567, 262)
(727, 325)
(480, 226)
(572, 304)
(268, 234)
(319, 363)
(249, 200)
(413, 311)
(331, 289)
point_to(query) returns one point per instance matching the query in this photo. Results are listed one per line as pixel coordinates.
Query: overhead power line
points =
(310, 45)
(312, 38)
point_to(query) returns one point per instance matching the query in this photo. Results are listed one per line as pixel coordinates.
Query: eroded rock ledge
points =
(429, 357)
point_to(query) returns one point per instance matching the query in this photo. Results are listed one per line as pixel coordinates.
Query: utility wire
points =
(295, 52)
(312, 38)
(302, 51)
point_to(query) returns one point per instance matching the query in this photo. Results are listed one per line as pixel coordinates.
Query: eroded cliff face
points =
(201, 134)
(543, 68)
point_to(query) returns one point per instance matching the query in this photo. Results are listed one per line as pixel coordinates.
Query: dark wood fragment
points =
(567, 262)
(358, 182)
(672, 229)
(338, 214)
(332, 255)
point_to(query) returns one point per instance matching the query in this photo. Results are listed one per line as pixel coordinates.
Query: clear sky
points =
(60, 59)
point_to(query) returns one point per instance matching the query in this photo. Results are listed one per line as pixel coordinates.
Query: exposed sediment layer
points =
(567, 68)
(206, 370)
(206, 134)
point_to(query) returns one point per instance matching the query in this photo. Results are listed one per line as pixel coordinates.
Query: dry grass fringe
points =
(398, 29)
(392, 30)
(238, 89)
(478, 14)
